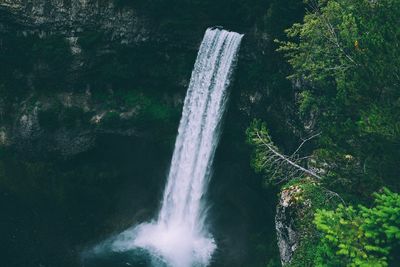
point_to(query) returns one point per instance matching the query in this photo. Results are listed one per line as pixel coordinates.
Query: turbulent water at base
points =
(179, 236)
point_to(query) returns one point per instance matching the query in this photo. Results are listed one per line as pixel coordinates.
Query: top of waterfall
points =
(221, 28)
(217, 27)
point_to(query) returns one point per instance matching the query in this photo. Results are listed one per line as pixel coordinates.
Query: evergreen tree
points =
(360, 236)
(346, 57)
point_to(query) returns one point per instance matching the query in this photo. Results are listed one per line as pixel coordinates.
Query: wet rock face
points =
(73, 16)
(81, 54)
(286, 215)
(67, 124)
(80, 46)
(32, 135)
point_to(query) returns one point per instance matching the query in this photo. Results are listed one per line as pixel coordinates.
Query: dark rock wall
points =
(285, 223)
(70, 17)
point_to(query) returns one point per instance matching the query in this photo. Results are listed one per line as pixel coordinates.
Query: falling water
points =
(179, 237)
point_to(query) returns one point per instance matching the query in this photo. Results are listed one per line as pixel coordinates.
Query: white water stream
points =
(179, 236)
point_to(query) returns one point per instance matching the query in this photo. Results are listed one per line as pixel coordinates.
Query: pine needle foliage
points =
(360, 236)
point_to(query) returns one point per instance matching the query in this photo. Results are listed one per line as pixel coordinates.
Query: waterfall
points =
(179, 236)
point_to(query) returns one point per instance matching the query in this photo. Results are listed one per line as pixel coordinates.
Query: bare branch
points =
(305, 141)
(286, 159)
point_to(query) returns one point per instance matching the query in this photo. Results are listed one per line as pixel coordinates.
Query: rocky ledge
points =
(73, 16)
(297, 236)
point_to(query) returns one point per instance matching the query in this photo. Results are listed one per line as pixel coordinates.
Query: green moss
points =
(311, 197)
(159, 112)
(149, 107)
(134, 98)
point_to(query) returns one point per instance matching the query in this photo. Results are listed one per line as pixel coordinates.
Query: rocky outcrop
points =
(285, 223)
(66, 124)
(37, 128)
(77, 38)
(297, 235)
(70, 17)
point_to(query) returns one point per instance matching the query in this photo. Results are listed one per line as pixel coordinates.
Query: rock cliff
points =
(296, 233)
(70, 17)
(90, 101)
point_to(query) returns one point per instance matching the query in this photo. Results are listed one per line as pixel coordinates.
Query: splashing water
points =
(179, 237)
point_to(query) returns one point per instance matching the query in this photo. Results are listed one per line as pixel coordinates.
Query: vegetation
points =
(360, 236)
(309, 197)
(345, 57)
(332, 130)
(267, 158)
(345, 63)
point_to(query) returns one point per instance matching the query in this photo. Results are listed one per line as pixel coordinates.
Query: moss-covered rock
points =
(297, 235)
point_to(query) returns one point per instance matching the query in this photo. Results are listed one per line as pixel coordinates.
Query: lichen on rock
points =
(297, 236)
